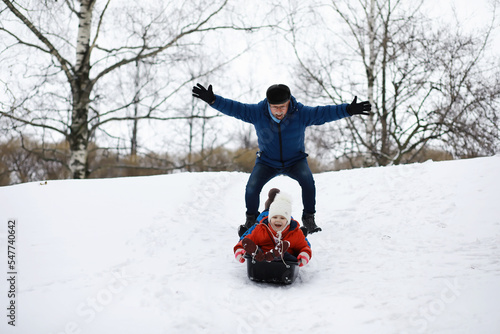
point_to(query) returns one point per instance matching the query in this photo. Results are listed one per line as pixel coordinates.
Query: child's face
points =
(278, 222)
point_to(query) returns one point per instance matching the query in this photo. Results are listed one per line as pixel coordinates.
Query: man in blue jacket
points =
(280, 122)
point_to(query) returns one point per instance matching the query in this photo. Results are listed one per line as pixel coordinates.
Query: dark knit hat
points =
(278, 94)
(271, 196)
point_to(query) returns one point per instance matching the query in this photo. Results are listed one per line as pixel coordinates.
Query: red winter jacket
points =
(263, 236)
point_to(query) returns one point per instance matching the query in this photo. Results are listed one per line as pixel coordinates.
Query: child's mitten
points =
(303, 259)
(239, 255)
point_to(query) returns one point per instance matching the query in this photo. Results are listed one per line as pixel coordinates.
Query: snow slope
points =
(404, 249)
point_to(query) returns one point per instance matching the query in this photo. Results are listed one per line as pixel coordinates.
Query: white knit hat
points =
(282, 205)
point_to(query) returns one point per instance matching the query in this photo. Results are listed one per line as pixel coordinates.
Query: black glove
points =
(359, 108)
(204, 94)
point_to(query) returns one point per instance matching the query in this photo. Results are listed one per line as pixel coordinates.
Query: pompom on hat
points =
(278, 94)
(271, 195)
(281, 206)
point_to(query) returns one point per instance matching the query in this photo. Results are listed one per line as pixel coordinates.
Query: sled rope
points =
(279, 236)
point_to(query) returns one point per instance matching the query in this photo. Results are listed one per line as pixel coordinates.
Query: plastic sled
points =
(272, 272)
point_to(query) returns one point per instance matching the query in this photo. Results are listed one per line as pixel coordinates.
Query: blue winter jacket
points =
(281, 144)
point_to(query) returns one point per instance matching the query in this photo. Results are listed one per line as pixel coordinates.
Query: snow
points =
(404, 249)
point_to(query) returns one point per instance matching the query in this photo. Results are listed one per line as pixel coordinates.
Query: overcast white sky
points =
(265, 66)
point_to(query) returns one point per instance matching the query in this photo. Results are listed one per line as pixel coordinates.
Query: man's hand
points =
(359, 108)
(202, 93)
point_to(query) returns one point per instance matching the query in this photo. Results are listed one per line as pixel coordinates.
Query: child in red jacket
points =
(277, 235)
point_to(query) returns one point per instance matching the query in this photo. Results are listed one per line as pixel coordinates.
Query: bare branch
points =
(65, 65)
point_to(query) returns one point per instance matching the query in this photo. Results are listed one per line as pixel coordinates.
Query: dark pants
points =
(261, 174)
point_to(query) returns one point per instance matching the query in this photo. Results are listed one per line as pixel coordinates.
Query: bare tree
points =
(71, 55)
(428, 83)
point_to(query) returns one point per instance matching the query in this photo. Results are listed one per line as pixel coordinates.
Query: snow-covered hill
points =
(404, 249)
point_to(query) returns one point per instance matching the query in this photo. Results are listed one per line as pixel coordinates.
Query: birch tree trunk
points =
(81, 88)
(370, 76)
(135, 125)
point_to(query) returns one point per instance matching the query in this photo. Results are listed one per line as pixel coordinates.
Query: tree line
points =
(25, 160)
